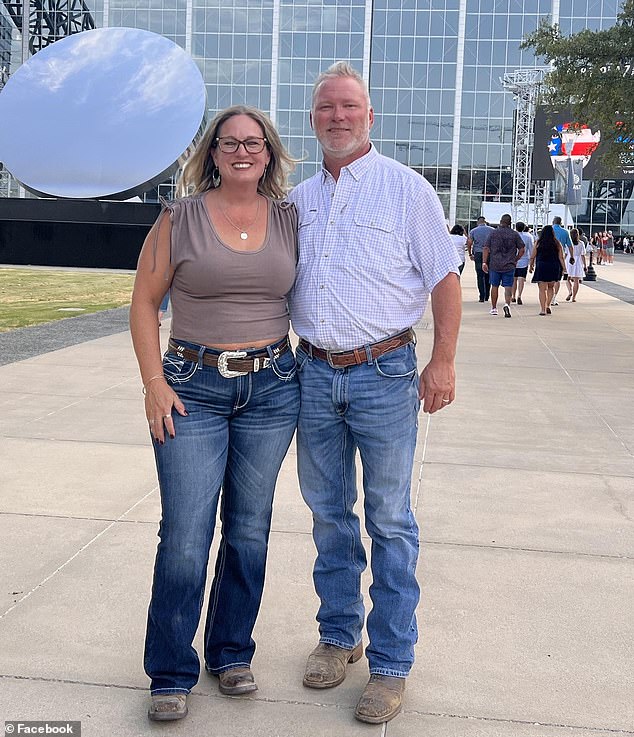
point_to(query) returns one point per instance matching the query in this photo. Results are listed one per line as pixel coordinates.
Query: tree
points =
(593, 73)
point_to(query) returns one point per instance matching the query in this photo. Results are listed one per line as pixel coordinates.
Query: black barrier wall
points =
(80, 233)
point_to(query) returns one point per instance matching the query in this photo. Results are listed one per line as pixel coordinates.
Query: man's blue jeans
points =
(372, 407)
(235, 436)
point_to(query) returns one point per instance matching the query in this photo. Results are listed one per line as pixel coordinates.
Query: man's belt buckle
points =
(333, 354)
(222, 364)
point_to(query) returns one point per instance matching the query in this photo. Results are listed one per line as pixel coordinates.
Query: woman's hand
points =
(160, 401)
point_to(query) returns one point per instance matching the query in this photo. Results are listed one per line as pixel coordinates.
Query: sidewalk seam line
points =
(295, 702)
(75, 555)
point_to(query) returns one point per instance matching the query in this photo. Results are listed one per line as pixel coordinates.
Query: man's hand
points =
(485, 267)
(437, 385)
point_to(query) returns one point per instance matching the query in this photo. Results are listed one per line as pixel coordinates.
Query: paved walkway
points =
(524, 491)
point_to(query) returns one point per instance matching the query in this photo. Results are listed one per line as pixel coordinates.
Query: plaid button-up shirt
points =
(372, 246)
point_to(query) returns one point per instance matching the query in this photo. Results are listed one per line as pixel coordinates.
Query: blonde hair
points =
(340, 69)
(197, 175)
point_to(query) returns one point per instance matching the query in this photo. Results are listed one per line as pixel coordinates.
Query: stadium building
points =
(434, 69)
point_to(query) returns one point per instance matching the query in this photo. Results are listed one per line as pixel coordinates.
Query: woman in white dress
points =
(459, 239)
(575, 265)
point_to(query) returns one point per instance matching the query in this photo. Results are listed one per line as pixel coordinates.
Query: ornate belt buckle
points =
(333, 354)
(222, 364)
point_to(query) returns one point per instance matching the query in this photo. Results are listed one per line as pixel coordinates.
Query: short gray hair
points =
(340, 69)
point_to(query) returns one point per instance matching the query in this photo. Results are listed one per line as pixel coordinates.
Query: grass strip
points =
(35, 296)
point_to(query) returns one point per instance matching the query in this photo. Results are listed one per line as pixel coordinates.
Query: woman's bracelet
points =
(151, 379)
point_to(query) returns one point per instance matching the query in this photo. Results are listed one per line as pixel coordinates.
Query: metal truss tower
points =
(542, 203)
(525, 85)
(50, 20)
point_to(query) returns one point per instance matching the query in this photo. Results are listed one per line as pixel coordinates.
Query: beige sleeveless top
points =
(220, 295)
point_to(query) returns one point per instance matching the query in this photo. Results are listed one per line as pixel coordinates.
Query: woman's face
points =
(242, 166)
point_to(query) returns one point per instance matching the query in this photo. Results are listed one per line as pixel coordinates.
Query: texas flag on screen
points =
(584, 146)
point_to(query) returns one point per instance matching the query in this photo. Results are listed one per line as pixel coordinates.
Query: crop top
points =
(221, 295)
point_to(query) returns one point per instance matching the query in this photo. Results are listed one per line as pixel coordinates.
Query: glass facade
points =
(434, 69)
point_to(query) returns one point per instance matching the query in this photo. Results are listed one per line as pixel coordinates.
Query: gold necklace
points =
(243, 231)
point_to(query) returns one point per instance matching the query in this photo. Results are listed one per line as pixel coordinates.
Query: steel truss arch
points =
(50, 20)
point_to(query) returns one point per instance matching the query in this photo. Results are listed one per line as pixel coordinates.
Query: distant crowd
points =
(504, 256)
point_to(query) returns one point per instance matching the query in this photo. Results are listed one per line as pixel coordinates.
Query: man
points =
(502, 251)
(475, 243)
(563, 236)
(521, 268)
(372, 245)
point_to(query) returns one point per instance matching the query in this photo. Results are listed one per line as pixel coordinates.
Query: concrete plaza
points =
(523, 490)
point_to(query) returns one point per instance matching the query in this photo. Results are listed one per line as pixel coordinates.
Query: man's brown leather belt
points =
(343, 359)
(231, 363)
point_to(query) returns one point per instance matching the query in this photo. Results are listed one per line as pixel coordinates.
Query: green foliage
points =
(593, 73)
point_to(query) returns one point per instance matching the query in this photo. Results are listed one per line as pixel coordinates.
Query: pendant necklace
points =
(243, 231)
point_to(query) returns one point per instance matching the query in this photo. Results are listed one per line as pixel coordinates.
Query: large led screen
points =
(590, 144)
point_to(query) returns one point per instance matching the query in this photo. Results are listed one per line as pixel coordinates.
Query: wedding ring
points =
(446, 401)
(151, 422)
(165, 417)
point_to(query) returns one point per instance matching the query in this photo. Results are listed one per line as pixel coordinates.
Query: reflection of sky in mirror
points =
(121, 104)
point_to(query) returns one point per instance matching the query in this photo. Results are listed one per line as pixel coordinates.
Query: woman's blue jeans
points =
(372, 408)
(235, 436)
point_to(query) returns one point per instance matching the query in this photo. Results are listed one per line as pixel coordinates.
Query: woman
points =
(549, 257)
(603, 244)
(521, 267)
(591, 249)
(575, 265)
(459, 239)
(222, 405)
(609, 249)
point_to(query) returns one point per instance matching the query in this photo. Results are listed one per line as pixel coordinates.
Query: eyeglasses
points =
(230, 145)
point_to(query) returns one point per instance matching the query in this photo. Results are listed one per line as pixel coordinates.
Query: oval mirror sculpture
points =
(100, 114)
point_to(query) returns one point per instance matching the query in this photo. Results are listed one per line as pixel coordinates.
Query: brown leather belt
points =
(343, 359)
(231, 363)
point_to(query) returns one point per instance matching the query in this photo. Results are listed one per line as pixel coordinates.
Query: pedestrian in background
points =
(459, 239)
(575, 265)
(563, 236)
(475, 243)
(547, 261)
(502, 251)
(521, 269)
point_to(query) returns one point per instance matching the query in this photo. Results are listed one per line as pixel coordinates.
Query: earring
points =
(263, 177)
(215, 177)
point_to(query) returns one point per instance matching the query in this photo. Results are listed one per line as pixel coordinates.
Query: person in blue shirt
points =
(563, 236)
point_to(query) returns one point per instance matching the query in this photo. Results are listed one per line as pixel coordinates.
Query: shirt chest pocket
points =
(377, 224)
(379, 241)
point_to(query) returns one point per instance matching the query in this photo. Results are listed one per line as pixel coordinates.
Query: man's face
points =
(341, 118)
